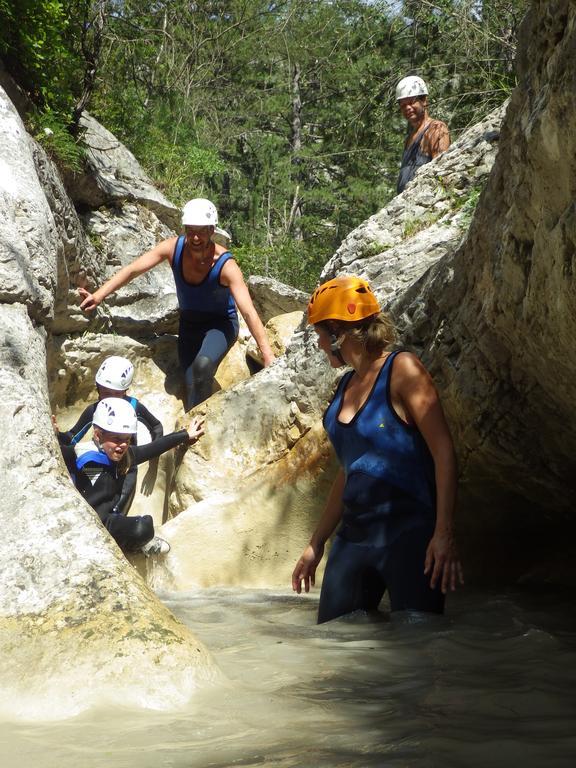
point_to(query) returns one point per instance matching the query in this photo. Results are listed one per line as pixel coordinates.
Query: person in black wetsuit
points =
(427, 138)
(99, 469)
(394, 497)
(210, 288)
(113, 379)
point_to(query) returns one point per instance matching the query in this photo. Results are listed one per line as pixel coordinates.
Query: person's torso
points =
(413, 158)
(97, 478)
(377, 444)
(209, 297)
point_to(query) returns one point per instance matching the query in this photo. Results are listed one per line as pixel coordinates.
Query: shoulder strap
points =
(79, 435)
(178, 248)
(217, 268)
(96, 456)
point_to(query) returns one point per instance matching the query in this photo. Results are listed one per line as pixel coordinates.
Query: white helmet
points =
(202, 213)
(114, 414)
(115, 373)
(411, 86)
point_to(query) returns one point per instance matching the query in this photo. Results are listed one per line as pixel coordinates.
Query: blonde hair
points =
(374, 333)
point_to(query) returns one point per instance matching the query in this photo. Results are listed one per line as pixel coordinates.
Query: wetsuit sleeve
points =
(142, 453)
(68, 453)
(147, 418)
(84, 421)
(128, 490)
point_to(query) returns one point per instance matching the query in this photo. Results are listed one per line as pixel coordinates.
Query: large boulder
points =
(495, 323)
(71, 606)
(112, 175)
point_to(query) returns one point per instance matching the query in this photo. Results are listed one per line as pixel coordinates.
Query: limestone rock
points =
(495, 323)
(113, 175)
(272, 298)
(280, 330)
(245, 494)
(393, 248)
(148, 305)
(71, 608)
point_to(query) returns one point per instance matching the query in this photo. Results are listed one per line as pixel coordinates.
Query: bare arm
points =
(231, 276)
(305, 570)
(139, 266)
(414, 396)
(436, 139)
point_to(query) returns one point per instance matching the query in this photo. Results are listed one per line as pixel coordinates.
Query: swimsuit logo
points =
(382, 425)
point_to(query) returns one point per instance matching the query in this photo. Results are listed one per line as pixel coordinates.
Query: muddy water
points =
(492, 684)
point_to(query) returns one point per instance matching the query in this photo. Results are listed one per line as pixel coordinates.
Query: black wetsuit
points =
(154, 426)
(98, 480)
(389, 509)
(412, 159)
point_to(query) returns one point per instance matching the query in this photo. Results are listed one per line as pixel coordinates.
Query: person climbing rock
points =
(113, 378)
(427, 138)
(99, 469)
(394, 497)
(210, 288)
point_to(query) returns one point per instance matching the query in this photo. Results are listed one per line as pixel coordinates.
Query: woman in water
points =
(395, 494)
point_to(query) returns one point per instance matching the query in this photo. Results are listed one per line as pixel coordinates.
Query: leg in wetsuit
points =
(130, 533)
(357, 575)
(202, 345)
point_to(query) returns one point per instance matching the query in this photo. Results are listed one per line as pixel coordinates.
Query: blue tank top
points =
(412, 159)
(208, 297)
(377, 445)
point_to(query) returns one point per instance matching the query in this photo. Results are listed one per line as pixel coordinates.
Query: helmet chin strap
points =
(335, 348)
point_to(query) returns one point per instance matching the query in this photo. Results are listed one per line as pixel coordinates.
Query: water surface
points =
(490, 684)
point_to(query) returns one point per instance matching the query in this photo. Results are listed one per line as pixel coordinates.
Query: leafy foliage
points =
(282, 112)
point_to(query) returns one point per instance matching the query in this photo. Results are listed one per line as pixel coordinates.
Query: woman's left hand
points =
(443, 562)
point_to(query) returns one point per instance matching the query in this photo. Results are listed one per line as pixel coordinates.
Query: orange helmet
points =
(343, 298)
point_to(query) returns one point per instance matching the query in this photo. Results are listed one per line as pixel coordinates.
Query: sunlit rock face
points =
(273, 298)
(496, 322)
(112, 173)
(77, 623)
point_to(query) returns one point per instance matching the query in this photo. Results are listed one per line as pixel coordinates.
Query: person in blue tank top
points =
(210, 289)
(394, 496)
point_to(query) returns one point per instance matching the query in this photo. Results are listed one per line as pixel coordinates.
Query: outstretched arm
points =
(139, 266)
(305, 571)
(231, 276)
(414, 396)
(141, 453)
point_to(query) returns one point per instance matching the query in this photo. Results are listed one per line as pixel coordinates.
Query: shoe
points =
(156, 546)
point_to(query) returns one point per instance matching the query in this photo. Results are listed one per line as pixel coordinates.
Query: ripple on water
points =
(490, 685)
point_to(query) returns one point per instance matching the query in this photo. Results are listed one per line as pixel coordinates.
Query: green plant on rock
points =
(51, 130)
(413, 226)
(469, 206)
(373, 249)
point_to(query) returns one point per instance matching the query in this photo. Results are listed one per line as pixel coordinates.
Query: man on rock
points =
(427, 138)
